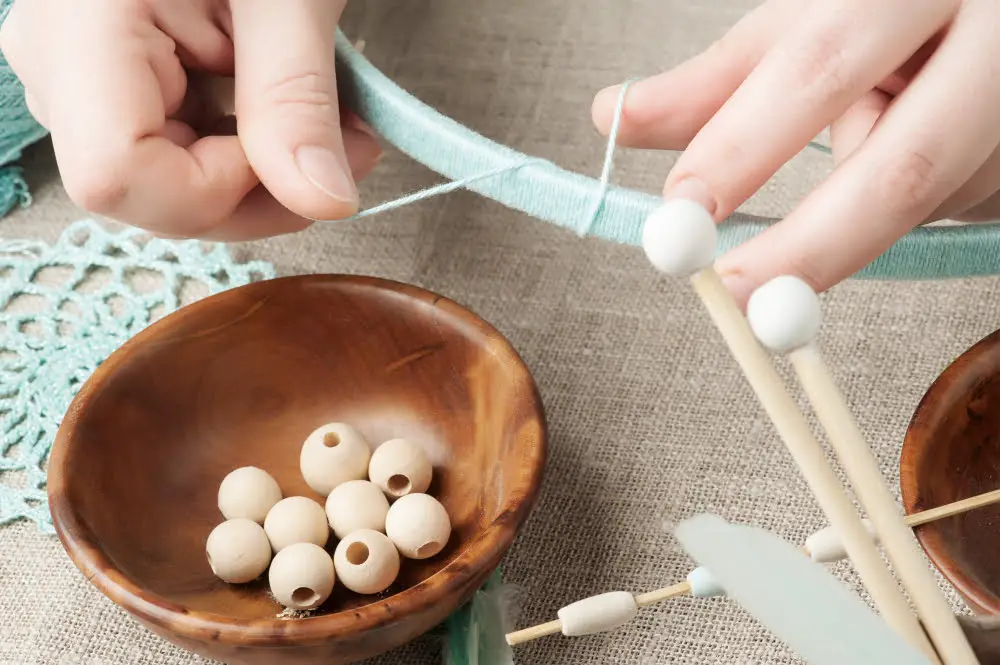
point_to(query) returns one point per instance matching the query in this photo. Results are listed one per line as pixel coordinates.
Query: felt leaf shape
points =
(796, 599)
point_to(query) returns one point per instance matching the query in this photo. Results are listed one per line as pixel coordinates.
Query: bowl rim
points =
(461, 575)
(918, 440)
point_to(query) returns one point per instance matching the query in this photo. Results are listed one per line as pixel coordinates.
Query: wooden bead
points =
(296, 519)
(356, 505)
(826, 545)
(785, 314)
(302, 576)
(238, 550)
(248, 492)
(332, 455)
(703, 583)
(598, 614)
(400, 467)
(680, 238)
(418, 525)
(366, 562)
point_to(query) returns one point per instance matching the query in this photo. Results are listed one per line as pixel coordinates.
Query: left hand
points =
(909, 88)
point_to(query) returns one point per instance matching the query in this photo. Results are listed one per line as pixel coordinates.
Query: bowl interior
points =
(243, 377)
(952, 452)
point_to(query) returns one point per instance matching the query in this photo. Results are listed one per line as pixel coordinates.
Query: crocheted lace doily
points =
(64, 308)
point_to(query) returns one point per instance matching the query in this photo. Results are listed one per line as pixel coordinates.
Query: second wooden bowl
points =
(241, 378)
(951, 452)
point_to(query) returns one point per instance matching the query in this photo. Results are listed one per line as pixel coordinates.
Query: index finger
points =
(106, 110)
(832, 56)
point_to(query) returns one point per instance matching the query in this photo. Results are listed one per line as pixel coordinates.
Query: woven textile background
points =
(650, 419)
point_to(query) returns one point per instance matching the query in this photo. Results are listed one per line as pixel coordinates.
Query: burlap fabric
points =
(650, 419)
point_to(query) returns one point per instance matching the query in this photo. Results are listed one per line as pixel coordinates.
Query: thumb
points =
(288, 118)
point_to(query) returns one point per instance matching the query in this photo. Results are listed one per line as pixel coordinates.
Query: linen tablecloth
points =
(650, 419)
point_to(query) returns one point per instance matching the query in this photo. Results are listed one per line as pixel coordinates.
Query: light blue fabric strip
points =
(552, 194)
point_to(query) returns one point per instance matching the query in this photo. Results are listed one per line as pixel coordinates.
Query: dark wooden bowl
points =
(241, 378)
(951, 452)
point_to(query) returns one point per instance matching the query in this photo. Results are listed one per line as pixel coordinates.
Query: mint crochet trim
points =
(64, 309)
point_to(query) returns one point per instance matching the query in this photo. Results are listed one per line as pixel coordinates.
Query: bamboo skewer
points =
(785, 315)
(684, 588)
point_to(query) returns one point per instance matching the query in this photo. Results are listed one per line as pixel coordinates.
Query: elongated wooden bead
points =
(598, 614)
(826, 546)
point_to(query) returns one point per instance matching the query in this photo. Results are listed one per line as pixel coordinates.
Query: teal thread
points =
(63, 310)
(609, 156)
(560, 197)
(436, 190)
(588, 220)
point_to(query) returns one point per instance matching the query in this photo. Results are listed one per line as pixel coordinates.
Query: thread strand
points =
(600, 195)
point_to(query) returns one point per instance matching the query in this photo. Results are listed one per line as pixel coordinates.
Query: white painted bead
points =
(296, 519)
(332, 455)
(785, 314)
(703, 583)
(238, 550)
(680, 238)
(366, 562)
(418, 525)
(355, 505)
(302, 576)
(826, 545)
(400, 467)
(248, 492)
(598, 614)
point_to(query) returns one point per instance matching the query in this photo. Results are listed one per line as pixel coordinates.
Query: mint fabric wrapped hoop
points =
(545, 191)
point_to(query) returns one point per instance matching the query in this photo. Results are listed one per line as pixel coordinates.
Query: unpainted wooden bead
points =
(248, 492)
(296, 519)
(302, 576)
(366, 562)
(400, 467)
(355, 505)
(597, 614)
(238, 550)
(334, 454)
(418, 525)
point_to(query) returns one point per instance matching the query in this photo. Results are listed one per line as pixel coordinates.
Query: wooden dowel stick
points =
(809, 456)
(533, 633)
(896, 537)
(660, 595)
(955, 508)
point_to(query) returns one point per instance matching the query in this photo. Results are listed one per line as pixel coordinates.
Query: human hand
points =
(909, 88)
(133, 139)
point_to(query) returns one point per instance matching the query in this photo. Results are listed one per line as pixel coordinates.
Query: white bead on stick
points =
(676, 238)
(824, 546)
(785, 314)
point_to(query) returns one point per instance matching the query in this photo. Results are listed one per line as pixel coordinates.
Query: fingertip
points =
(602, 108)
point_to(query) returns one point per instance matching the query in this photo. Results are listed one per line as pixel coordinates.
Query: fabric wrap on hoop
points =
(552, 194)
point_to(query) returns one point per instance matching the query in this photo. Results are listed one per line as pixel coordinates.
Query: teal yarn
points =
(18, 130)
(64, 309)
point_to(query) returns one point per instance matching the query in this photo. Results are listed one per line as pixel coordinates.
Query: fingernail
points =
(738, 286)
(692, 189)
(324, 169)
